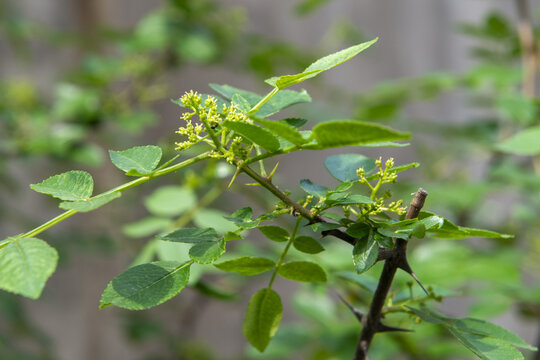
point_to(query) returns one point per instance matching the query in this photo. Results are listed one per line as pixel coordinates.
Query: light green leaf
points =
(241, 103)
(90, 204)
(274, 233)
(170, 201)
(254, 133)
(70, 186)
(317, 190)
(302, 271)
(356, 199)
(247, 265)
(284, 131)
(319, 66)
(191, 235)
(25, 265)
(339, 133)
(147, 285)
(146, 227)
(481, 327)
(307, 245)
(365, 253)
(206, 253)
(137, 161)
(485, 347)
(522, 143)
(343, 166)
(215, 219)
(262, 319)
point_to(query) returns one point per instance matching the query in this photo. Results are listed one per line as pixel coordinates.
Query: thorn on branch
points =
(404, 265)
(354, 310)
(385, 328)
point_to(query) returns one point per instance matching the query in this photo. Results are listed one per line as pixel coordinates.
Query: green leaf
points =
(70, 186)
(215, 219)
(170, 201)
(313, 189)
(523, 143)
(254, 133)
(343, 166)
(137, 161)
(284, 131)
(241, 103)
(320, 65)
(25, 265)
(339, 133)
(365, 253)
(296, 123)
(302, 271)
(247, 265)
(191, 235)
(243, 218)
(320, 226)
(147, 285)
(358, 230)
(274, 233)
(262, 319)
(90, 204)
(346, 199)
(481, 327)
(485, 347)
(146, 227)
(206, 253)
(307, 245)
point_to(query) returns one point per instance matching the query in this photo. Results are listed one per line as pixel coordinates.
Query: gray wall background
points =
(416, 36)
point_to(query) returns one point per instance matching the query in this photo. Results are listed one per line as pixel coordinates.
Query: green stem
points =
(285, 251)
(120, 188)
(261, 163)
(263, 101)
(270, 154)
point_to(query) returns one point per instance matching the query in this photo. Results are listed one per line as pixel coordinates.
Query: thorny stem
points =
(397, 260)
(120, 188)
(285, 251)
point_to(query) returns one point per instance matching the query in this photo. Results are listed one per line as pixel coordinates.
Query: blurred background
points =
(78, 77)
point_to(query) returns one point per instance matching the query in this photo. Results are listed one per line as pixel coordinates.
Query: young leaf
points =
(254, 133)
(320, 65)
(274, 233)
(208, 252)
(71, 186)
(25, 265)
(522, 143)
(352, 133)
(247, 265)
(170, 201)
(137, 161)
(90, 204)
(191, 235)
(313, 189)
(343, 167)
(302, 271)
(365, 253)
(284, 131)
(147, 285)
(307, 245)
(486, 347)
(262, 319)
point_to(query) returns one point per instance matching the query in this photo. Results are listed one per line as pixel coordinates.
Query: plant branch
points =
(528, 47)
(372, 320)
(285, 251)
(120, 188)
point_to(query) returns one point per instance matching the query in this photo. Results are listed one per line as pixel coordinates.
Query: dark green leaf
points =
(262, 319)
(359, 230)
(339, 133)
(70, 186)
(320, 226)
(284, 131)
(302, 271)
(247, 265)
(313, 189)
(207, 252)
(137, 161)
(294, 122)
(25, 265)
(365, 253)
(90, 204)
(147, 285)
(191, 235)
(254, 133)
(274, 233)
(307, 245)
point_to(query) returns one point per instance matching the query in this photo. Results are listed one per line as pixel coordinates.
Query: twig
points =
(396, 259)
